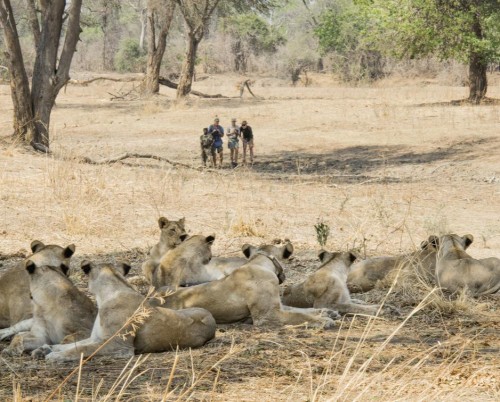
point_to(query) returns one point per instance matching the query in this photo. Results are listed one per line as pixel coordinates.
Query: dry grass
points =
(380, 170)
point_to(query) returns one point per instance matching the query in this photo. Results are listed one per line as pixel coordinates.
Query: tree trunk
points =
(44, 72)
(144, 20)
(478, 82)
(156, 46)
(187, 72)
(19, 83)
(33, 19)
(32, 109)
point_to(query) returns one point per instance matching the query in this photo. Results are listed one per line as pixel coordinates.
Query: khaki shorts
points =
(248, 142)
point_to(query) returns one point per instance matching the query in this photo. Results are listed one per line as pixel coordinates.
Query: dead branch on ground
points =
(127, 155)
(123, 95)
(87, 82)
(247, 84)
(173, 85)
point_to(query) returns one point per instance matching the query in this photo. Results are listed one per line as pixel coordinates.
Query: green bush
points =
(130, 58)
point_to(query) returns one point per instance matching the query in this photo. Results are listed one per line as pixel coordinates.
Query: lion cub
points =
(456, 270)
(152, 329)
(327, 287)
(60, 310)
(172, 234)
(251, 291)
(15, 302)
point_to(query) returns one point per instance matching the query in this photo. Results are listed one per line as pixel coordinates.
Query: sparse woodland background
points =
(281, 38)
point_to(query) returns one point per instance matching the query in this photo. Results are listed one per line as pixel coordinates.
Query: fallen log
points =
(127, 155)
(173, 85)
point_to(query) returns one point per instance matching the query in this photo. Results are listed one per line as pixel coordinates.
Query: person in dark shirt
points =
(217, 132)
(247, 136)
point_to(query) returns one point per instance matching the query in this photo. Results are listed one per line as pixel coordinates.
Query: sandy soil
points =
(383, 166)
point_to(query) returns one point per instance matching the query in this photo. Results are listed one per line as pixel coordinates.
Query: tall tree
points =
(109, 12)
(196, 15)
(159, 16)
(59, 34)
(467, 30)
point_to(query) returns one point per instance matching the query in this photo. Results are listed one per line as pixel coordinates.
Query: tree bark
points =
(156, 46)
(19, 84)
(33, 19)
(478, 82)
(187, 72)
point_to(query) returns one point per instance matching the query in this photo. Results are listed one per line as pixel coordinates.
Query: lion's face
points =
(173, 233)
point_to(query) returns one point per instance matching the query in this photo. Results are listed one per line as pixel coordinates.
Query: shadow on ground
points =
(353, 164)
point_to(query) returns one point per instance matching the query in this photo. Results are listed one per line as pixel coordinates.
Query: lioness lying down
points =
(158, 329)
(186, 264)
(456, 270)
(60, 311)
(191, 263)
(327, 287)
(15, 302)
(365, 274)
(251, 291)
(172, 233)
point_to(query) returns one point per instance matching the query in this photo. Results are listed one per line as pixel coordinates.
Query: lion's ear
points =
(287, 250)
(468, 238)
(247, 249)
(86, 266)
(36, 245)
(210, 239)
(30, 266)
(64, 269)
(434, 241)
(322, 255)
(182, 222)
(352, 257)
(162, 222)
(69, 251)
(125, 267)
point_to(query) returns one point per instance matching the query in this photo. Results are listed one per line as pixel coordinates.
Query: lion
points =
(60, 311)
(365, 274)
(457, 270)
(126, 323)
(250, 292)
(186, 265)
(327, 287)
(191, 263)
(172, 234)
(15, 302)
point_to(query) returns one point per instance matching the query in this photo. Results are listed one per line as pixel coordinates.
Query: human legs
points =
(204, 156)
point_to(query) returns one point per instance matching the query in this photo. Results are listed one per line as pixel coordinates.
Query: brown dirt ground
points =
(385, 166)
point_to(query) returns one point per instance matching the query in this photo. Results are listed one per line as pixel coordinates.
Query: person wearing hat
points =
(233, 141)
(247, 135)
(217, 133)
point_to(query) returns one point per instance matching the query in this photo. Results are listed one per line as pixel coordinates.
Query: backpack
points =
(206, 141)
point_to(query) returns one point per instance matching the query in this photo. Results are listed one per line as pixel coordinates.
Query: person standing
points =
(233, 141)
(247, 135)
(206, 142)
(217, 133)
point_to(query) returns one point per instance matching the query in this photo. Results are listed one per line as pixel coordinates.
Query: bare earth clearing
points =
(384, 166)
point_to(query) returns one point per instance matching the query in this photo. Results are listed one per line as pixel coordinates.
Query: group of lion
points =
(47, 315)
